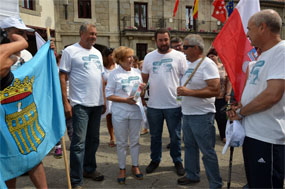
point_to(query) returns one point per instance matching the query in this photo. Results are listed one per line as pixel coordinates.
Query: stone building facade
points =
(130, 23)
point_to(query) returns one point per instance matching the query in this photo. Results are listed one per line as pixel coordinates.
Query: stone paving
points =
(163, 177)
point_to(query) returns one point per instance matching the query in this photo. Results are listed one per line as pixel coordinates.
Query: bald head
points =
(270, 17)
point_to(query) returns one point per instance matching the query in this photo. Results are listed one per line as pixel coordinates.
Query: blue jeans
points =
(199, 133)
(85, 141)
(173, 119)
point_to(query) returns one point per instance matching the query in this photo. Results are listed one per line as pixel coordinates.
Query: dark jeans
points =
(221, 117)
(173, 119)
(264, 163)
(85, 141)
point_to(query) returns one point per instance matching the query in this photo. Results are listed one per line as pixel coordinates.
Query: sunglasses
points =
(185, 47)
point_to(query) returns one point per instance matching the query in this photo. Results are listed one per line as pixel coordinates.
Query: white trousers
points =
(127, 129)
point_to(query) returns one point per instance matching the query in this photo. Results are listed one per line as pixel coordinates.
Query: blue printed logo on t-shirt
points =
(126, 83)
(254, 73)
(164, 65)
(91, 59)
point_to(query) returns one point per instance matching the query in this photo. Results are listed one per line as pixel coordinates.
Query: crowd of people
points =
(115, 85)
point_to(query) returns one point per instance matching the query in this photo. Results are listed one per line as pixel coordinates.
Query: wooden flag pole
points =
(62, 140)
(48, 33)
(66, 162)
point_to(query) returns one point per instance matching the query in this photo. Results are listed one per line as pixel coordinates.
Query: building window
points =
(141, 16)
(84, 8)
(141, 50)
(190, 22)
(28, 4)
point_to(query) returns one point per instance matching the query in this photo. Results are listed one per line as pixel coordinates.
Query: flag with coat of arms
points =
(32, 118)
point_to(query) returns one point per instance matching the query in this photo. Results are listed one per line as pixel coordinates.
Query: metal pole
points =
(230, 166)
(119, 22)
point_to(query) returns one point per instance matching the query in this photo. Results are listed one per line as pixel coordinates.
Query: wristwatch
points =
(238, 113)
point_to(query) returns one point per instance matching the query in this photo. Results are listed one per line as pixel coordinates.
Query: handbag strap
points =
(194, 71)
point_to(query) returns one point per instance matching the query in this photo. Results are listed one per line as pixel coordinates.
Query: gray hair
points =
(83, 28)
(175, 40)
(195, 39)
(270, 17)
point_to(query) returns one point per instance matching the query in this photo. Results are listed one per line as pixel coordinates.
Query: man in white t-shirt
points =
(262, 108)
(163, 69)
(198, 109)
(83, 65)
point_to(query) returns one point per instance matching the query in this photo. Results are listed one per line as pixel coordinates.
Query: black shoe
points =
(179, 168)
(97, 176)
(168, 146)
(152, 166)
(185, 181)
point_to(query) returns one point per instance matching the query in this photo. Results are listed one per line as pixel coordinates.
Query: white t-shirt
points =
(85, 69)
(120, 83)
(269, 125)
(25, 55)
(108, 102)
(107, 72)
(206, 71)
(165, 71)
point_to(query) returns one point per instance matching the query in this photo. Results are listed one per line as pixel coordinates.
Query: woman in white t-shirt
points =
(109, 66)
(126, 110)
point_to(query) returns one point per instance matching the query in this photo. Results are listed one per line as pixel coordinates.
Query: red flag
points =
(220, 10)
(175, 8)
(195, 11)
(234, 47)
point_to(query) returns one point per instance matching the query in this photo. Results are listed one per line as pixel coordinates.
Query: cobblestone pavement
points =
(163, 177)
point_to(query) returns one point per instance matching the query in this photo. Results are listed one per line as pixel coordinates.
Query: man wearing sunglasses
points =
(198, 109)
(163, 68)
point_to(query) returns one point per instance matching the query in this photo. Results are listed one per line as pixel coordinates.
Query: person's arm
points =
(269, 97)
(145, 77)
(212, 89)
(67, 107)
(228, 89)
(7, 50)
(128, 100)
(104, 95)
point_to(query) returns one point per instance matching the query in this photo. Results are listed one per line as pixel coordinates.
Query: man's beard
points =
(163, 49)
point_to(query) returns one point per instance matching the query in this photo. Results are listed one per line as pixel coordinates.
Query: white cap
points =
(235, 134)
(15, 22)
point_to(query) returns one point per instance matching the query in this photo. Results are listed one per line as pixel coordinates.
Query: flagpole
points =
(65, 162)
(62, 140)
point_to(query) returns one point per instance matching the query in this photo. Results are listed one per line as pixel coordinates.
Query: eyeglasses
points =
(177, 46)
(185, 47)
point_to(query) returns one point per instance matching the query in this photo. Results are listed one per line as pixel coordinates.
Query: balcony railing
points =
(174, 25)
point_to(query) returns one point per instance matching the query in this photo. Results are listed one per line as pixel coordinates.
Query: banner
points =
(233, 46)
(31, 115)
(175, 7)
(195, 10)
(219, 11)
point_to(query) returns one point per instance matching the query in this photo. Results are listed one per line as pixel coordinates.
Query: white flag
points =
(39, 40)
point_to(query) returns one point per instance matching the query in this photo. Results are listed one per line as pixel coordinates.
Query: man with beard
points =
(163, 68)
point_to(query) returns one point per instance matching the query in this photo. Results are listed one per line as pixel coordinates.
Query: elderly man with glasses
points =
(198, 110)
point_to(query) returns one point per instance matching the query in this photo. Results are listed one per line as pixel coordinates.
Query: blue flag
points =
(230, 7)
(31, 115)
